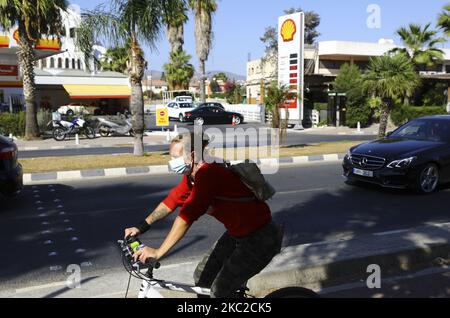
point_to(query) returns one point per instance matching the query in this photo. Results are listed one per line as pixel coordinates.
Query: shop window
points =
(52, 62)
(73, 63)
(79, 64)
(67, 63)
(59, 62)
(44, 63)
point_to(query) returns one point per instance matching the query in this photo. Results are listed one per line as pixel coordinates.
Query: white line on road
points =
(392, 232)
(302, 191)
(34, 288)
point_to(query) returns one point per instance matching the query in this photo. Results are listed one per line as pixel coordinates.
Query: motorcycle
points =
(107, 127)
(62, 129)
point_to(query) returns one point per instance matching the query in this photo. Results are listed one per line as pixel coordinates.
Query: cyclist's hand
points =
(146, 253)
(132, 232)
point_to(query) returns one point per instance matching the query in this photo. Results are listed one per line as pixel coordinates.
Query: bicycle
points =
(151, 286)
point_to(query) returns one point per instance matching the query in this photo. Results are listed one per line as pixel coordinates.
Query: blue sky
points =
(238, 25)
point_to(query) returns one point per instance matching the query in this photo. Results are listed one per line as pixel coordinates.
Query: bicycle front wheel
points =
(293, 292)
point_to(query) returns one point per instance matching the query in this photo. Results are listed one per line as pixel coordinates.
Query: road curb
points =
(160, 170)
(326, 264)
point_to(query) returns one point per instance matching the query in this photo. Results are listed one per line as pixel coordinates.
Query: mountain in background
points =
(157, 75)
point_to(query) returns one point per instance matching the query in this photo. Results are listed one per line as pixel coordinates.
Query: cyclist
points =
(251, 240)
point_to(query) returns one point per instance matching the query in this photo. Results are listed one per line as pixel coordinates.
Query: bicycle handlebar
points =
(128, 248)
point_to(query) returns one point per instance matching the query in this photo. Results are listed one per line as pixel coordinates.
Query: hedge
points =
(12, 124)
(402, 114)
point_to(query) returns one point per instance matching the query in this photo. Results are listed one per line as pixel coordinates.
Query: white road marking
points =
(48, 242)
(302, 191)
(74, 239)
(70, 229)
(80, 251)
(52, 254)
(60, 206)
(40, 208)
(62, 213)
(392, 232)
(55, 268)
(46, 232)
(34, 288)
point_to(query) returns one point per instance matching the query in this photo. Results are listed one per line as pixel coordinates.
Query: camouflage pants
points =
(231, 262)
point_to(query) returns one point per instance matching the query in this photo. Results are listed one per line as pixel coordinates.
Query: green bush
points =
(358, 114)
(320, 106)
(402, 114)
(13, 124)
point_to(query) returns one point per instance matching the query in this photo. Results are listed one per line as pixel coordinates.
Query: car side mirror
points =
(389, 133)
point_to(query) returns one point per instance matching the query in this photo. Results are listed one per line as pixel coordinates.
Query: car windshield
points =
(429, 130)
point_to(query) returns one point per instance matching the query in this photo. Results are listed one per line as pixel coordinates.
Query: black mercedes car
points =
(213, 115)
(416, 155)
(11, 174)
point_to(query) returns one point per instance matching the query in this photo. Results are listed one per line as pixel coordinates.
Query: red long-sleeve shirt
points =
(212, 181)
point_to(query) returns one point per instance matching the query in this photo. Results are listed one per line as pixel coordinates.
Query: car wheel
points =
(181, 118)
(199, 121)
(70, 112)
(237, 120)
(428, 179)
(132, 134)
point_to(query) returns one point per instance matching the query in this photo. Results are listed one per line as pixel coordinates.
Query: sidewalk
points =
(341, 131)
(152, 139)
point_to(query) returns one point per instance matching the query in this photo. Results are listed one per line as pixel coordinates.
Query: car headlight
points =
(403, 163)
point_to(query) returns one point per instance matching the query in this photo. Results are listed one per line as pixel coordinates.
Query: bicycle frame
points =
(151, 288)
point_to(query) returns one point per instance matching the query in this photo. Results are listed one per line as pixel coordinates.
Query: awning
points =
(98, 91)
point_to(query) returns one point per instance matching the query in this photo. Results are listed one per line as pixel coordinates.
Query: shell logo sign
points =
(4, 41)
(288, 30)
(42, 44)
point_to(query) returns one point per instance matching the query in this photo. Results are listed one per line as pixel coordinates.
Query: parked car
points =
(11, 173)
(73, 109)
(177, 110)
(213, 115)
(211, 105)
(416, 155)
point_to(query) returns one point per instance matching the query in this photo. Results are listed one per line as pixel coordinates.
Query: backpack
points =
(251, 176)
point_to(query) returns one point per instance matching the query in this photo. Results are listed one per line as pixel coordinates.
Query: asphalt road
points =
(292, 139)
(50, 226)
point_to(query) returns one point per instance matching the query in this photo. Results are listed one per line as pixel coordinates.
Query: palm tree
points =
(116, 60)
(175, 16)
(420, 45)
(389, 77)
(444, 20)
(132, 23)
(203, 10)
(275, 100)
(179, 71)
(34, 20)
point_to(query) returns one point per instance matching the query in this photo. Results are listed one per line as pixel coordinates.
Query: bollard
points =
(359, 127)
(10, 136)
(77, 140)
(176, 130)
(168, 135)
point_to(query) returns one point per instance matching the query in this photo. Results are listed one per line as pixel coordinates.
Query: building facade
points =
(62, 74)
(323, 62)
